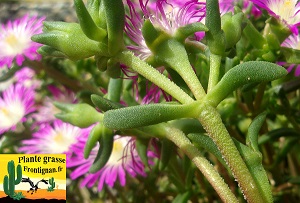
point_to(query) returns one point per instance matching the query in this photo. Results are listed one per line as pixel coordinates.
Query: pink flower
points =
(124, 159)
(16, 102)
(228, 6)
(165, 15)
(169, 16)
(153, 95)
(288, 11)
(293, 41)
(46, 111)
(15, 40)
(24, 76)
(55, 138)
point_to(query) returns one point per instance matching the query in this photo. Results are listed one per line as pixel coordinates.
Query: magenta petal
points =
(90, 180)
(122, 176)
(23, 28)
(297, 71)
(20, 59)
(112, 177)
(81, 170)
(102, 179)
(94, 178)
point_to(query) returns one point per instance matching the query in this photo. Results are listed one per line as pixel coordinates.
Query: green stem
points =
(187, 73)
(10, 73)
(175, 170)
(189, 76)
(195, 45)
(259, 96)
(114, 89)
(214, 71)
(212, 123)
(180, 139)
(291, 86)
(74, 85)
(288, 113)
(174, 54)
(153, 75)
(253, 35)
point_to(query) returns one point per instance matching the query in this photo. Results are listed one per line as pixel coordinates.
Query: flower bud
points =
(231, 26)
(113, 69)
(273, 42)
(103, 18)
(69, 39)
(81, 115)
(101, 62)
(93, 7)
(105, 137)
(99, 32)
(150, 34)
(114, 13)
(215, 36)
(50, 51)
(87, 24)
(279, 29)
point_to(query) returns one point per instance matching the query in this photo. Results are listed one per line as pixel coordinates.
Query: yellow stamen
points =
(12, 40)
(117, 147)
(58, 137)
(4, 111)
(288, 3)
(286, 10)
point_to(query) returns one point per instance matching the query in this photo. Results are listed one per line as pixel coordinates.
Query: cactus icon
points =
(10, 182)
(52, 185)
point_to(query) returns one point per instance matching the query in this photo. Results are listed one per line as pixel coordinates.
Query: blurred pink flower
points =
(287, 11)
(55, 138)
(228, 6)
(24, 76)
(124, 159)
(163, 14)
(15, 40)
(16, 102)
(293, 41)
(46, 110)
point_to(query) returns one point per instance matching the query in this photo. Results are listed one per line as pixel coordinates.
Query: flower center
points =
(298, 45)
(288, 3)
(4, 111)
(285, 9)
(11, 115)
(58, 138)
(118, 151)
(62, 139)
(12, 40)
(15, 44)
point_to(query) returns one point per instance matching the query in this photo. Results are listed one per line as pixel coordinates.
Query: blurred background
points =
(54, 10)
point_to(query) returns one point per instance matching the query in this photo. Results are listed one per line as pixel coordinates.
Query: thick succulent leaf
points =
(144, 115)
(242, 74)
